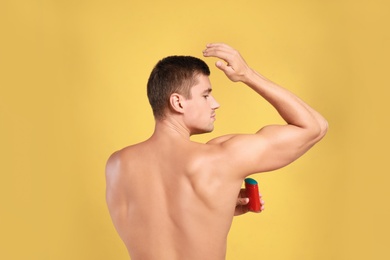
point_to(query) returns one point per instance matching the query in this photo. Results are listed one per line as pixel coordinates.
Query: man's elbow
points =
(321, 129)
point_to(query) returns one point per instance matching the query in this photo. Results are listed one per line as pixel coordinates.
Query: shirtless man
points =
(172, 198)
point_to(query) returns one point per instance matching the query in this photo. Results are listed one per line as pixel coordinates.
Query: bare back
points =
(171, 199)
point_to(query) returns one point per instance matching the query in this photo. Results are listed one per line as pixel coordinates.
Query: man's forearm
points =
(291, 108)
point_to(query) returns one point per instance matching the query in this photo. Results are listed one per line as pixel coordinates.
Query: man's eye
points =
(206, 96)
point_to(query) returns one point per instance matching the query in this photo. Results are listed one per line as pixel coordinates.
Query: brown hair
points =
(173, 74)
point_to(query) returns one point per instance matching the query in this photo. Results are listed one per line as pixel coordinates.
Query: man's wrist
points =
(253, 78)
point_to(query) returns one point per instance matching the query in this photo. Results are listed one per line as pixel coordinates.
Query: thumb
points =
(227, 69)
(242, 201)
(221, 65)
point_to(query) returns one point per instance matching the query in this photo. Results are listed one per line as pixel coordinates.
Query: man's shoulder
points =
(120, 157)
(125, 153)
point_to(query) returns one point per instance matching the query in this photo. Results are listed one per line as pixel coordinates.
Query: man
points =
(171, 198)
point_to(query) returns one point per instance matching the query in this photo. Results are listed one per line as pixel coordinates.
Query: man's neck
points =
(171, 127)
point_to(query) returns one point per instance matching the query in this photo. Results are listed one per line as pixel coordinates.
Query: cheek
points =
(198, 109)
(196, 115)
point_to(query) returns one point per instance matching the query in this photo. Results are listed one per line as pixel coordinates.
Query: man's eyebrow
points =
(207, 91)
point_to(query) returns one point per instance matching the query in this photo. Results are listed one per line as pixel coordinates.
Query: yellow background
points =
(72, 90)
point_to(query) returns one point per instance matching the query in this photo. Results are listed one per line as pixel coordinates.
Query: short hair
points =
(173, 74)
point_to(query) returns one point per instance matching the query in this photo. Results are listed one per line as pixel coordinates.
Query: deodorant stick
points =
(252, 191)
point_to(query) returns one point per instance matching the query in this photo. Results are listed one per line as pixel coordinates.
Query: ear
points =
(176, 102)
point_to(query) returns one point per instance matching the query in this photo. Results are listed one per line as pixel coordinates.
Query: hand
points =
(242, 203)
(234, 66)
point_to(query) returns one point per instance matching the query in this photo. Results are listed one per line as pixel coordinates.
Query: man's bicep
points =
(269, 149)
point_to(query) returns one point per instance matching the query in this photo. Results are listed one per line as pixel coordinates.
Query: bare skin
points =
(172, 198)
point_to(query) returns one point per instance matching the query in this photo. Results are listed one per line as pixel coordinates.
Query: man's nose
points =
(215, 104)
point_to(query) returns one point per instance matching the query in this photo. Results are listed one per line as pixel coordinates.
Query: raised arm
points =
(272, 146)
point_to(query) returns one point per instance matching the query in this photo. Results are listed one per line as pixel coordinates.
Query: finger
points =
(240, 210)
(218, 50)
(242, 201)
(222, 66)
(219, 46)
(216, 44)
(244, 209)
(221, 54)
(242, 193)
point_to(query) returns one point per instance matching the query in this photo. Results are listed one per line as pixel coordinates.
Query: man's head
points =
(173, 74)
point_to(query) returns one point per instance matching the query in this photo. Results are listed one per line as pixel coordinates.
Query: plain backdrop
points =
(73, 90)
